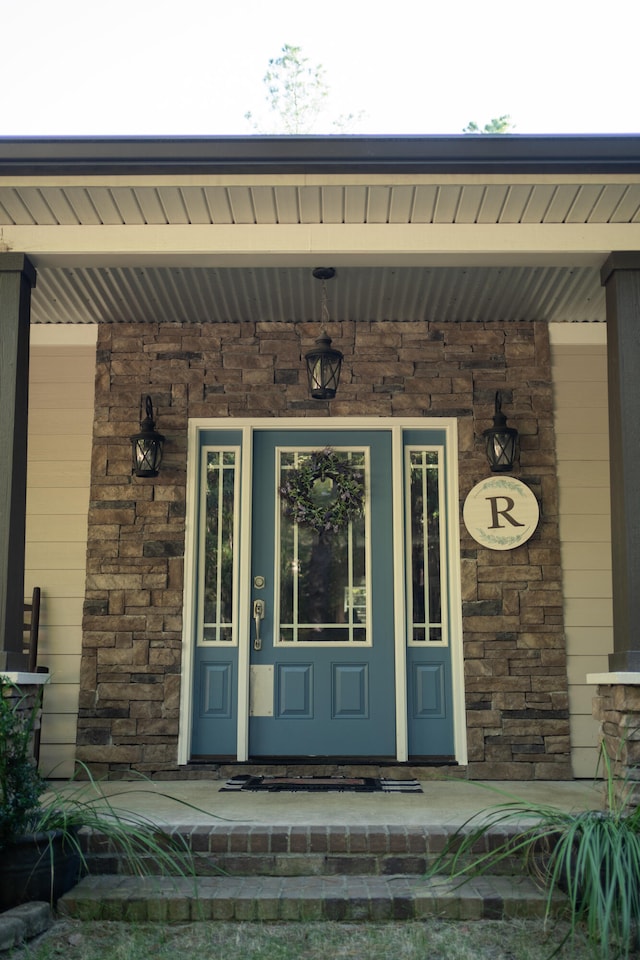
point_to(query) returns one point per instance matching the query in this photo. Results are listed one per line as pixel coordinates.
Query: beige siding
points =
(61, 402)
(580, 394)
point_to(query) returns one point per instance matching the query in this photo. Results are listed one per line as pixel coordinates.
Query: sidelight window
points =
(218, 545)
(425, 537)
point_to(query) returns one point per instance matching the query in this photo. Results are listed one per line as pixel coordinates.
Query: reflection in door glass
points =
(425, 562)
(323, 576)
(217, 543)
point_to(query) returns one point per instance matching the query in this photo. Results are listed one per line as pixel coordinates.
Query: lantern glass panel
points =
(147, 456)
(501, 449)
(324, 374)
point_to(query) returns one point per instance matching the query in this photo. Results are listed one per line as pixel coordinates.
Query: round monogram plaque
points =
(501, 513)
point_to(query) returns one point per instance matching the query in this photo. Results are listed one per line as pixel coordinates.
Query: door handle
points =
(258, 615)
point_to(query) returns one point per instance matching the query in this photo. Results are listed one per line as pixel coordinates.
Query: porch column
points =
(621, 277)
(17, 277)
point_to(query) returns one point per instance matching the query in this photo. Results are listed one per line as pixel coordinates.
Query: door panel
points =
(333, 674)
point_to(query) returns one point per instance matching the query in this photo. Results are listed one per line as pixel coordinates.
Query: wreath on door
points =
(336, 507)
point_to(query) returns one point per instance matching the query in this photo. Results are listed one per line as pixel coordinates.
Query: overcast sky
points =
(195, 67)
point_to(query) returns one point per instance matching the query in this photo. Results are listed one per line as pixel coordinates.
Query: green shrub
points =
(28, 804)
(21, 786)
(592, 856)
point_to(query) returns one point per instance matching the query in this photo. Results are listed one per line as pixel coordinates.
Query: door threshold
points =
(316, 761)
(324, 761)
(363, 761)
(224, 769)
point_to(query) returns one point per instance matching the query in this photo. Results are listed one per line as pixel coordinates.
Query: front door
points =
(322, 647)
(323, 620)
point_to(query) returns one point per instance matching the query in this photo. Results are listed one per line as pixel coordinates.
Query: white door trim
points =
(399, 595)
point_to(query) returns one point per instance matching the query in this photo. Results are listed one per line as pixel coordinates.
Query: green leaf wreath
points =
(302, 507)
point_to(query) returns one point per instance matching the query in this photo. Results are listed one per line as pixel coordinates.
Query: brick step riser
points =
(298, 852)
(294, 866)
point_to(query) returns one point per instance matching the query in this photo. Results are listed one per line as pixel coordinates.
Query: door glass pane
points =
(323, 574)
(425, 562)
(217, 545)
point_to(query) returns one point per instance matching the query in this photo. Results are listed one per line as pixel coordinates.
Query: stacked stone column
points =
(617, 708)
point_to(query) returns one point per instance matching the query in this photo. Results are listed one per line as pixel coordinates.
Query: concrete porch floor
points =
(442, 802)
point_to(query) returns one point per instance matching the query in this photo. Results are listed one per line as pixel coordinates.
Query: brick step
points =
(297, 851)
(304, 898)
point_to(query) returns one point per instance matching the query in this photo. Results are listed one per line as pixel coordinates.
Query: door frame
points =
(396, 426)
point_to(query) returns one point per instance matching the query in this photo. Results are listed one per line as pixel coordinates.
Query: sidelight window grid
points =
(425, 537)
(218, 556)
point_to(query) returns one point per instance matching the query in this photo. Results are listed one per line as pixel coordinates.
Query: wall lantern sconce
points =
(146, 446)
(500, 440)
(323, 362)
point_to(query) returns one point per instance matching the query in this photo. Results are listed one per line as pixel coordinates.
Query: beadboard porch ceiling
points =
(101, 294)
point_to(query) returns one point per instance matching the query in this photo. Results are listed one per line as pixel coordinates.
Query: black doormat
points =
(321, 785)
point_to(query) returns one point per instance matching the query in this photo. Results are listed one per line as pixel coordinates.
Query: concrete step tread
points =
(300, 898)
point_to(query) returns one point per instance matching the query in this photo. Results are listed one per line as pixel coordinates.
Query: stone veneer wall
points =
(617, 708)
(514, 647)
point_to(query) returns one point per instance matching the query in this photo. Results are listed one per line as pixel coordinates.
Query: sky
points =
(195, 67)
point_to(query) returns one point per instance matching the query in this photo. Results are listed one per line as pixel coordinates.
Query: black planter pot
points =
(39, 866)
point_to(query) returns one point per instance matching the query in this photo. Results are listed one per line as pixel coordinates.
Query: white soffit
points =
(118, 203)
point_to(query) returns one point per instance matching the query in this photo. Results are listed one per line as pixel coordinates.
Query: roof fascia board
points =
(463, 154)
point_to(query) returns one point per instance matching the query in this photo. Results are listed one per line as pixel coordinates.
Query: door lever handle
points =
(258, 615)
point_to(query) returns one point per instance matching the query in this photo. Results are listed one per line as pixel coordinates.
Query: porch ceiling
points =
(184, 294)
(441, 229)
(422, 248)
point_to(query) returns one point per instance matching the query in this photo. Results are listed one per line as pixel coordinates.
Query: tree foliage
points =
(501, 124)
(298, 98)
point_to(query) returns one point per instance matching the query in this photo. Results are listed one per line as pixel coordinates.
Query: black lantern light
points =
(323, 362)
(146, 446)
(500, 440)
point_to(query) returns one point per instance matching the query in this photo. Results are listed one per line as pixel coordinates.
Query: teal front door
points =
(323, 642)
(322, 645)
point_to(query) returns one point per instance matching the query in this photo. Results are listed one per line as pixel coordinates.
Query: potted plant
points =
(37, 864)
(592, 856)
(43, 829)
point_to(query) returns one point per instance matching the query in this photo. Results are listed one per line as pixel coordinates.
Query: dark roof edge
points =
(60, 156)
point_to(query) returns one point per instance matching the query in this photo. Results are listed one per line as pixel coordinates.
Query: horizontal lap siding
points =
(61, 405)
(579, 365)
